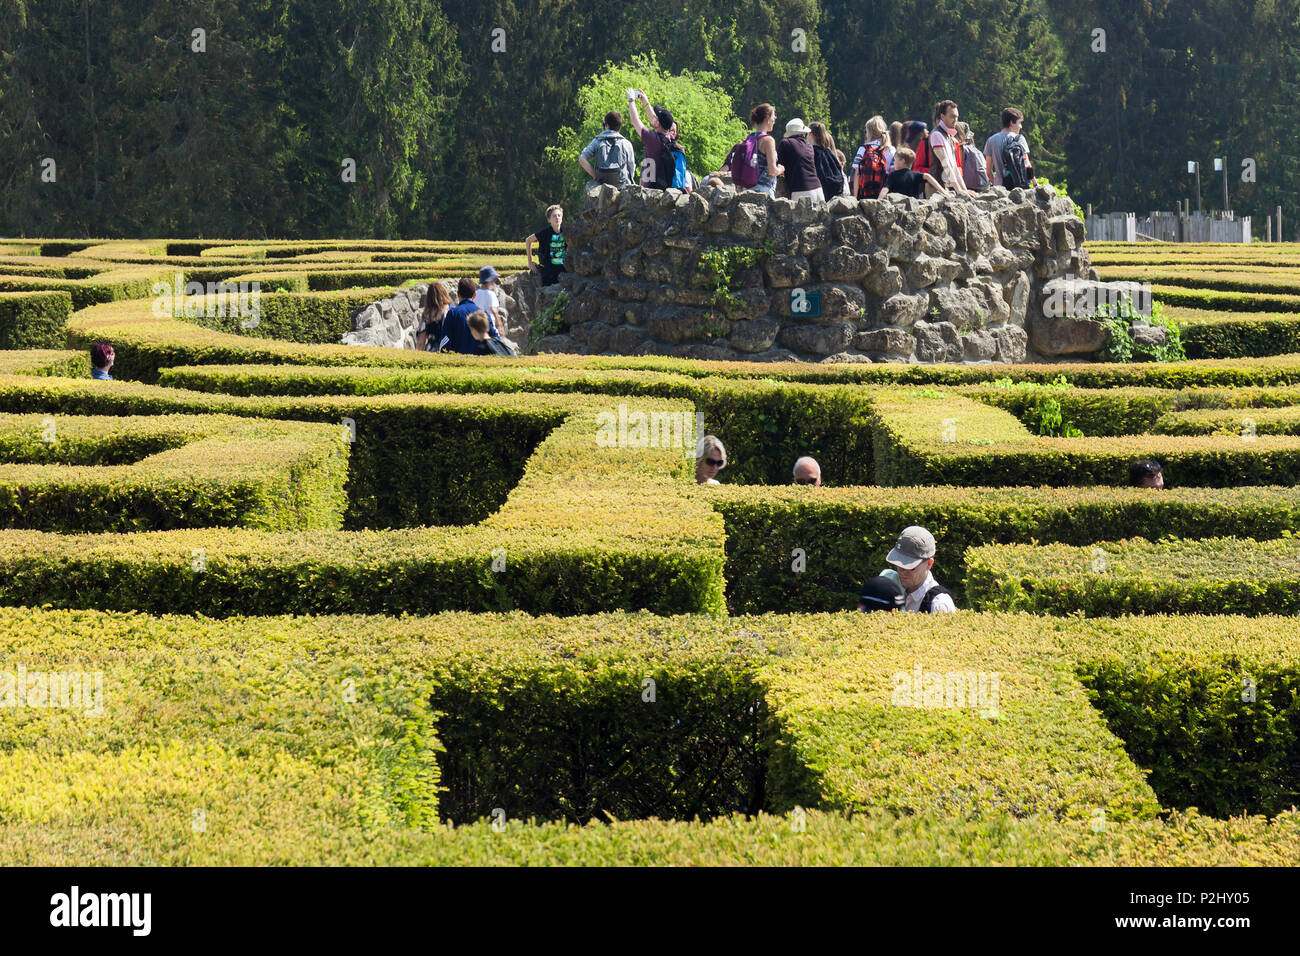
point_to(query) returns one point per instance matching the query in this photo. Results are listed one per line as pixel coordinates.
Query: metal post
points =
(1227, 207)
(1198, 189)
(1268, 229)
(1279, 223)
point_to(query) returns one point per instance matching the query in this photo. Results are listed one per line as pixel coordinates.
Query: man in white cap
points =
(912, 558)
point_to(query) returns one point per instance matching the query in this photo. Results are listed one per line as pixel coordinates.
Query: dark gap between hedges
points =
(1203, 745)
(417, 469)
(578, 746)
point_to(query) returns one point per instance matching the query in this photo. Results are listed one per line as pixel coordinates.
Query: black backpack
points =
(927, 601)
(665, 170)
(497, 347)
(1016, 173)
(828, 172)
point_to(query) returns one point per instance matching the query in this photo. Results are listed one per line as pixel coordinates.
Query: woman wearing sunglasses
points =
(710, 458)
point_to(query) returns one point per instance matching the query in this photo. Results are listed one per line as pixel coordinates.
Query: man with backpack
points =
(664, 165)
(911, 561)
(1007, 152)
(609, 158)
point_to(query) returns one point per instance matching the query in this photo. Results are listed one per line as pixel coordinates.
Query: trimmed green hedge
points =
(1217, 727)
(845, 533)
(312, 740)
(659, 546)
(146, 344)
(932, 437)
(78, 474)
(33, 320)
(114, 285)
(1242, 336)
(1241, 422)
(1212, 576)
(308, 317)
(57, 363)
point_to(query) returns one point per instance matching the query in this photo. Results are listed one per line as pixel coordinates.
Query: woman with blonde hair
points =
(868, 173)
(710, 458)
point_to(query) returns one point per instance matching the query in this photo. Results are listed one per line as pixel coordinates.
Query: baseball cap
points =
(914, 545)
(488, 274)
(881, 594)
(665, 118)
(914, 127)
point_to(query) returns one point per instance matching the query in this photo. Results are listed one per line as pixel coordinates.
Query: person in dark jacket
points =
(796, 154)
(456, 333)
(829, 162)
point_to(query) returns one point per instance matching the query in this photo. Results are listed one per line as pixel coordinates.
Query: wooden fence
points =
(1167, 227)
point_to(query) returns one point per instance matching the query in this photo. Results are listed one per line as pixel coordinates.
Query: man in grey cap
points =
(912, 558)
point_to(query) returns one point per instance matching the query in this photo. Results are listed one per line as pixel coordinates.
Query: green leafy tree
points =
(526, 64)
(705, 117)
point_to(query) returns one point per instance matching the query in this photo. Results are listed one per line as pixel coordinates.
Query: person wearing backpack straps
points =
(828, 162)
(752, 162)
(664, 161)
(874, 160)
(1012, 122)
(911, 561)
(943, 148)
(972, 169)
(609, 157)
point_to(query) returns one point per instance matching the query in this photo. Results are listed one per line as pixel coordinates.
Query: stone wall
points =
(899, 279)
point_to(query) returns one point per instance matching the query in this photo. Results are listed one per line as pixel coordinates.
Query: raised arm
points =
(636, 117)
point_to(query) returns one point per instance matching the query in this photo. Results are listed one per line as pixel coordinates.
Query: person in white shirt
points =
(912, 559)
(943, 146)
(486, 297)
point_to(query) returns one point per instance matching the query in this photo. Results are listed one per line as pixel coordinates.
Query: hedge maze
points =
(353, 605)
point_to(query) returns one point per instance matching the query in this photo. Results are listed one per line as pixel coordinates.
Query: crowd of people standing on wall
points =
(913, 159)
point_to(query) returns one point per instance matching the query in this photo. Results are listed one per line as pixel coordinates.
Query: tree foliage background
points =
(459, 113)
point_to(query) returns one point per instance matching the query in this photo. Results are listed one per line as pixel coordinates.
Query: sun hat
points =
(914, 545)
(488, 274)
(796, 127)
